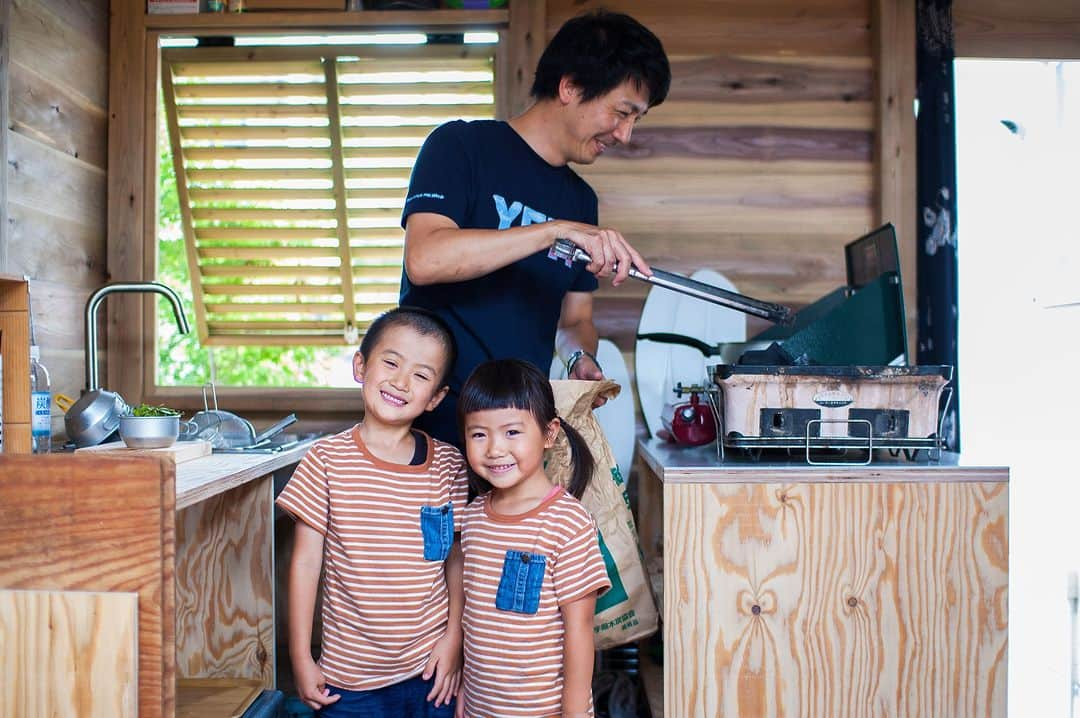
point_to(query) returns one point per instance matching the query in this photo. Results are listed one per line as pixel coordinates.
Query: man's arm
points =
(437, 251)
(577, 331)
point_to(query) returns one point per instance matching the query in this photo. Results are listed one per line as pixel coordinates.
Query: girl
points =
(533, 567)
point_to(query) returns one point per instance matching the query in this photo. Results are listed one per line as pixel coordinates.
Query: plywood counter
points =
(811, 591)
(192, 543)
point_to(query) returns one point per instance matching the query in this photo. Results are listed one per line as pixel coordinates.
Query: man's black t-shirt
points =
(483, 175)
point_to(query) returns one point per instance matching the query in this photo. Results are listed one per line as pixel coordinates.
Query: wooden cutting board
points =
(180, 452)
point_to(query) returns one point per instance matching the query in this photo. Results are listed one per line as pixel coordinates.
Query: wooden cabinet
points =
(193, 542)
(15, 350)
(796, 590)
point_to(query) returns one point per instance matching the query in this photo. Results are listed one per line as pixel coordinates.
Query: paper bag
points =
(626, 611)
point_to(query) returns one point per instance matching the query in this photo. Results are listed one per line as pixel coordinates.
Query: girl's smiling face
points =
(505, 447)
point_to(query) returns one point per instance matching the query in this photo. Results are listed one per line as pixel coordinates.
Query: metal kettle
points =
(96, 414)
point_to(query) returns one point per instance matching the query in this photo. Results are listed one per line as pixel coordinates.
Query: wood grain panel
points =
(68, 523)
(52, 115)
(894, 142)
(225, 584)
(836, 599)
(763, 144)
(774, 190)
(58, 50)
(1038, 29)
(817, 27)
(67, 653)
(53, 182)
(687, 217)
(727, 78)
(55, 249)
(854, 115)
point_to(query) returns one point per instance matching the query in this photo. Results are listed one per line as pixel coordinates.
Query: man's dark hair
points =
(422, 321)
(600, 50)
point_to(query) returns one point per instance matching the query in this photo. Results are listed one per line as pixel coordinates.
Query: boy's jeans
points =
(400, 700)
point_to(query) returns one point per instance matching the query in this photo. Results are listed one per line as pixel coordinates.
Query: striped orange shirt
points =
(384, 606)
(514, 661)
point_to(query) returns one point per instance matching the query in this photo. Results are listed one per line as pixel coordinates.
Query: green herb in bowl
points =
(148, 410)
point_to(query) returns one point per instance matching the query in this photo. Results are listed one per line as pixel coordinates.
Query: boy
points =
(379, 508)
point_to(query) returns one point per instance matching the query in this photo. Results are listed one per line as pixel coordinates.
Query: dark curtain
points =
(936, 194)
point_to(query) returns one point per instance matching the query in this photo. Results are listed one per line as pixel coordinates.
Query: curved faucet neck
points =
(98, 297)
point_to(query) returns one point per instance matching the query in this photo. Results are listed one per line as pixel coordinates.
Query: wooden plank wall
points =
(57, 80)
(760, 163)
(1036, 29)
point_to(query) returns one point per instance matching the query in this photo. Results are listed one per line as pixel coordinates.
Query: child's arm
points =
(445, 660)
(304, 571)
(578, 653)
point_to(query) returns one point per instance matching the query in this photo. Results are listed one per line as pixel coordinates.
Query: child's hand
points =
(311, 686)
(445, 664)
(459, 707)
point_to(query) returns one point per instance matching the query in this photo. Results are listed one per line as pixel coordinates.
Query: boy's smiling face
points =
(403, 377)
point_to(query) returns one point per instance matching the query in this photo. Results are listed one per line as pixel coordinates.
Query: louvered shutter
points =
(292, 166)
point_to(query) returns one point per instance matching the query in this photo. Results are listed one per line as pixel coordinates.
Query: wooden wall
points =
(760, 163)
(56, 94)
(1036, 29)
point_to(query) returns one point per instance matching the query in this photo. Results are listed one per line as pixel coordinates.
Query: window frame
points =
(135, 67)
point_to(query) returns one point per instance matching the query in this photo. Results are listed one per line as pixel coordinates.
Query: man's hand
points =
(585, 369)
(610, 252)
(310, 684)
(445, 664)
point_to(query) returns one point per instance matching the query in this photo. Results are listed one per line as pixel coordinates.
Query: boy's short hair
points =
(422, 321)
(600, 50)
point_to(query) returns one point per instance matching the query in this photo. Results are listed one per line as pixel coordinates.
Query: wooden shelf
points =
(338, 22)
(215, 697)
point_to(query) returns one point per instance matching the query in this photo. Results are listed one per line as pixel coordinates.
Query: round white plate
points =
(660, 366)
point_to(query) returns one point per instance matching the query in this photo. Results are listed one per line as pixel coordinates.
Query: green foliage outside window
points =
(181, 359)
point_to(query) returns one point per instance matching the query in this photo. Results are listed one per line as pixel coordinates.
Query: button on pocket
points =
(519, 585)
(437, 526)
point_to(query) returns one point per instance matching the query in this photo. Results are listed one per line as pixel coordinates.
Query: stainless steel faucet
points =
(123, 287)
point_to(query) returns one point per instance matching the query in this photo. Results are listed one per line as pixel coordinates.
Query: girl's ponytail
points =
(581, 458)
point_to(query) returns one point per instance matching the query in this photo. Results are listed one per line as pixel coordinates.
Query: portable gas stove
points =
(834, 376)
(815, 408)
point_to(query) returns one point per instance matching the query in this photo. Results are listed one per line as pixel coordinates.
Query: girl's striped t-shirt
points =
(514, 661)
(384, 605)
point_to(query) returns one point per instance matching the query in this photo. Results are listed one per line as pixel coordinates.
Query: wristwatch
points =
(577, 354)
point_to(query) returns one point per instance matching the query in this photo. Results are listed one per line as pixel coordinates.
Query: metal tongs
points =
(566, 251)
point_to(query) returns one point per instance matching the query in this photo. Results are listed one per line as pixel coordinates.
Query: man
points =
(487, 200)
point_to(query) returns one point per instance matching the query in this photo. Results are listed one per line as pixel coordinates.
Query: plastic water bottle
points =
(40, 404)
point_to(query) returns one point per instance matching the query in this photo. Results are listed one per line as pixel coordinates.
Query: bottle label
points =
(41, 422)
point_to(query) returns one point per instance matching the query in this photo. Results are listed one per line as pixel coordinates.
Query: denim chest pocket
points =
(437, 526)
(519, 585)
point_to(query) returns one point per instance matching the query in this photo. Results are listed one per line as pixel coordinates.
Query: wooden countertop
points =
(700, 464)
(208, 476)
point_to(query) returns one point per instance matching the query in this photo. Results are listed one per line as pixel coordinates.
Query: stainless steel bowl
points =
(149, 432)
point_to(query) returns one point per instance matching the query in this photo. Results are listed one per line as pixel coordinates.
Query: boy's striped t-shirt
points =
(384, 605)
(514, 661)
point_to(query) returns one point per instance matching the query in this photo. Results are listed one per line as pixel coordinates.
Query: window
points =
(291, 165)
